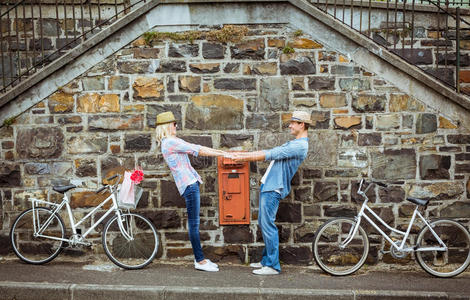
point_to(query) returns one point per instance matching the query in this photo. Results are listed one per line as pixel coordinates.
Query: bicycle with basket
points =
(130, 240)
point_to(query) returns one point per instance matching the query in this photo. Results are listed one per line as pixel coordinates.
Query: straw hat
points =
(165, 117)
(301, 116)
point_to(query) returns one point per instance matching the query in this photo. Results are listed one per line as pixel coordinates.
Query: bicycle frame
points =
(65, 202)
(405, 235)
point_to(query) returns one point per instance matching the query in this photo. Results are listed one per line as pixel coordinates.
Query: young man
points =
(275, 185)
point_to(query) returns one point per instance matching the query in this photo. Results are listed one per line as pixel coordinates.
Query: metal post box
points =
(234, 191)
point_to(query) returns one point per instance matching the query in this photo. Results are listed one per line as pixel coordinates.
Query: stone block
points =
(82, 145)
(303, 43)
(238, 234)
(303, 194)
(164, 219)
(451, 59)
(446, 123)
(303, 65)
(434, 166)
(170, 196)
(230, 254)
(369, 139)
(93, 83)
(437, 191)
(269, 68)
(115, 122)
(458, 139)
(324, 191)
(341, 70)
(60, 102)
(85, 167)
(214, 112)
(136, 67)
(172, 66)
(332, 100)
(462, 168)
(39, 143)
(298, 84)
(354, 84)
(250, 49)
(445, 74)
(301, 255)
(394, 164)
(235, 84)
(213, 51)
(289, 212)
(183, 50)
(456, 210)
(263, 121)
(388, 122)
(340, 211)
(137, 143)
(392, 194)
(118, 83)
(10, 175)
(369, 103)
(274, 94)
(276, 42)
(37, 168)
(323, 146)
(348, 122)
(190, 84)
(208, 68)
(232, 68)
(426, 123)
(148, 88)
(320, 83)
(147, 53)
(320, 119)
(305, 233)
(93, 103)
(8, 145)
(236, 140)
(352, 158)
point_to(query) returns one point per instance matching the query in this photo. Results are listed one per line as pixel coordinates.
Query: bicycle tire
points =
(327, 253)
(444, 263)
(130, 254)
(37, 250)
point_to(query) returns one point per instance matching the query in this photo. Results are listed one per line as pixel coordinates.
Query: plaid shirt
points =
(175, 152)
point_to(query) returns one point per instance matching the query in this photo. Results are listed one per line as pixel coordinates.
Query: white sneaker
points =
(265, 271)
(206, 267)
(212, 263)
(256, 265)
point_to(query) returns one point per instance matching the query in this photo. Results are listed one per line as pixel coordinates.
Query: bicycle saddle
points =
(63, 188)
(418, 201)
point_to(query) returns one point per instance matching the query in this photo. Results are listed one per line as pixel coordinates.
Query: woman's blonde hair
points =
(162, 131)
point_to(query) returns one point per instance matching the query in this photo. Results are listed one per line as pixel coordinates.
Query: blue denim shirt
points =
(288, 158)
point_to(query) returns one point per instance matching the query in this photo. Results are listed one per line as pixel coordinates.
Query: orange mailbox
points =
(234, 191)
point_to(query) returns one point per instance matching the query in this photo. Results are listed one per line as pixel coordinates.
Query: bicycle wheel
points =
(138, 248)
(447, 263)
(328, 254)
(32, 249)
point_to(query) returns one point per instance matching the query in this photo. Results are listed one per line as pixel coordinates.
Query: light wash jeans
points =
(268, 205)
(193, 201)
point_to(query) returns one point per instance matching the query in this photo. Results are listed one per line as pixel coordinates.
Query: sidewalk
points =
(66, 280)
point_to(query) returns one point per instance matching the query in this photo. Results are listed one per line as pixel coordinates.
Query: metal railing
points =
(34, 33)
(436, 48)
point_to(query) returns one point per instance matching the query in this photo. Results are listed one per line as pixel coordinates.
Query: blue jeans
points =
(268, 205)
(193, 202)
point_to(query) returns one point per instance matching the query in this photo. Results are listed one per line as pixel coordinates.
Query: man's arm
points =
(249, 156)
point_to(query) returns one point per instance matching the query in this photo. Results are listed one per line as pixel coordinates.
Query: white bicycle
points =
(38, 234)
(442, 247)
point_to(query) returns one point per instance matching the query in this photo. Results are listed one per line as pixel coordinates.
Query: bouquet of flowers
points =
(130, 193)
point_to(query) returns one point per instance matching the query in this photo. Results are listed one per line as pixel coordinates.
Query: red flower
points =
(137, 176)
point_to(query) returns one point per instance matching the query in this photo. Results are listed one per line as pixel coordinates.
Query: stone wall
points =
(238, 95)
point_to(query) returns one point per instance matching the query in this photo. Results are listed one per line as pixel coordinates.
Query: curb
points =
(52, 291)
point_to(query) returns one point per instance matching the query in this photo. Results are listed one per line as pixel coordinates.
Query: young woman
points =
(175, 152)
